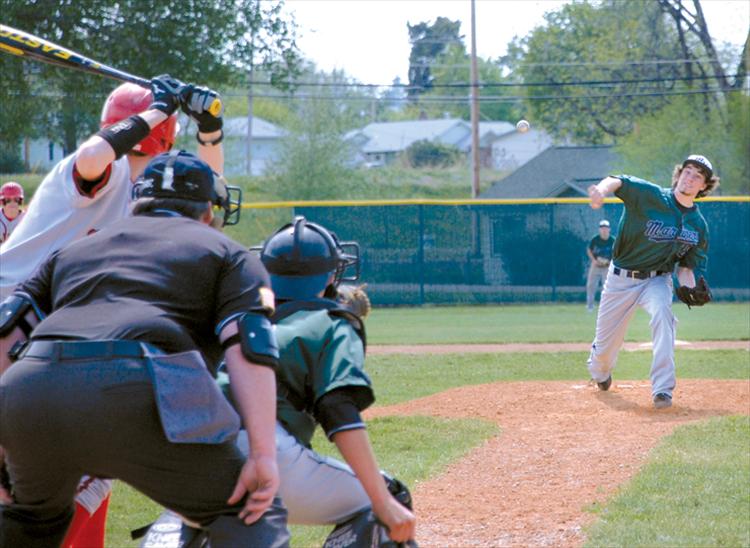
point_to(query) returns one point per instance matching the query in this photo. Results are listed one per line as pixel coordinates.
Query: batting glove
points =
(166, 92)
(195, 102)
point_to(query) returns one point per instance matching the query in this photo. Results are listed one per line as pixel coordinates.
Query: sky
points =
(369, 39)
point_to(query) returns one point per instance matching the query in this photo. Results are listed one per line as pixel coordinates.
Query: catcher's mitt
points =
(355, 299)
(695, 296)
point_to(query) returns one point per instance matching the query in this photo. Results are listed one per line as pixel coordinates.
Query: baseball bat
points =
(24, 44)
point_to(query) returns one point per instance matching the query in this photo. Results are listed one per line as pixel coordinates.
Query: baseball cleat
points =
(604, 385)
(662, 401)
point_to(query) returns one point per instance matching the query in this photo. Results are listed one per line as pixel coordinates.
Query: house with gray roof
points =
(557, 172)
(381, 143)
(264, 145)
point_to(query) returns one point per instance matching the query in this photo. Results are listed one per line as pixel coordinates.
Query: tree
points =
(596, 62)
(661, 140)
(451, 88)
(428, 41)
(427, 153)
(189, 39)
(314, 162)
(604, 66)
(695, 24)
(262, 39)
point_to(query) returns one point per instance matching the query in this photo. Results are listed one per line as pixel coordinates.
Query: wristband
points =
(125, 134)
(216, 141)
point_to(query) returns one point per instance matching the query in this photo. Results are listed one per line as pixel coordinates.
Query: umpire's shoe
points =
(662, 401)
(604, 385)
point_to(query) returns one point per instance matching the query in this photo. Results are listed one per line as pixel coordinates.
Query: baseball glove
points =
(601, 261)
(355, 299)
(695, 296)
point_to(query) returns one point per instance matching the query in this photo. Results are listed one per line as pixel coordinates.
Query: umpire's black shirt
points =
(166, 280)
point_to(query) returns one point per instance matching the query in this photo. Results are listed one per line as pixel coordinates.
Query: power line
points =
(447, 99)
(407, 87)
(422, 99)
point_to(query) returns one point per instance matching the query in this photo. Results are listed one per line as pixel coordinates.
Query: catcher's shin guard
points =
(365, 530)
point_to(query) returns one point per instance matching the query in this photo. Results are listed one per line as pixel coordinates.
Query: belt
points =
(77, 350)
(638, 275)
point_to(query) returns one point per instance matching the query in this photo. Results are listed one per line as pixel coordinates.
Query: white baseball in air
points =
(523, 126)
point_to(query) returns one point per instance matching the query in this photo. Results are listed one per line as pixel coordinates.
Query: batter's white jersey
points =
(8, 225)
(60, 213)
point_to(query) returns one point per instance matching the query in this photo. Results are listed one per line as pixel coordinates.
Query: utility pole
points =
(249, 135)
(474, 107)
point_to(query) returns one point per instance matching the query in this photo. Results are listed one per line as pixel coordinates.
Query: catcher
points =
(321, 380)
(660, 228)
(599, 251)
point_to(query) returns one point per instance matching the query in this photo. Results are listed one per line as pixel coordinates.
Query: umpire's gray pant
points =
(61, 419)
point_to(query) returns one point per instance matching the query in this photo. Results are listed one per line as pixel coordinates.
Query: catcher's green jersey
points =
(318, 352)
(655, 231)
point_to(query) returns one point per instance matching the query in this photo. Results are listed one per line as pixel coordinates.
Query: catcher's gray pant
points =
(597, 276)
(62, 417)
(316, 490)
(620, 298)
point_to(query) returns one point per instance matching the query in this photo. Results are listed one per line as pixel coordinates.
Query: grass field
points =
(541, 323)
(694, 492)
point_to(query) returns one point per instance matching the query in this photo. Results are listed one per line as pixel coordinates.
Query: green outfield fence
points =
(499, 251)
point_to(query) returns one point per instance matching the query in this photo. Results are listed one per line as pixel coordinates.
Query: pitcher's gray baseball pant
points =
(620, 298)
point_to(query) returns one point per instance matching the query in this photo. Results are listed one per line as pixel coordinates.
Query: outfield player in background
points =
(91, 189)
(115, 380)
(659, 228)
(11, 200)
(599, 252)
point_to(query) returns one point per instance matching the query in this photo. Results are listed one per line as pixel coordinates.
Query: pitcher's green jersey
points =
(655, 231)
(319, 352)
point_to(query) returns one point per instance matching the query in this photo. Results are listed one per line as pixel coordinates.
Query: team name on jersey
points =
(656, 231)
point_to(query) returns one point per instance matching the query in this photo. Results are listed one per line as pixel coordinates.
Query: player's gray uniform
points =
(597, 275)
(654, 234)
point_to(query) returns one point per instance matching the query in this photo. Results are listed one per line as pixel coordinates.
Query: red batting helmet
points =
(11, 190)
(129, 99)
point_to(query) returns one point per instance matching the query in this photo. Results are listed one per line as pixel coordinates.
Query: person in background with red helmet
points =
(11, 200)
(91, 188)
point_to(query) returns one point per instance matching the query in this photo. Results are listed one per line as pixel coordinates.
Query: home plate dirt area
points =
(563, 445)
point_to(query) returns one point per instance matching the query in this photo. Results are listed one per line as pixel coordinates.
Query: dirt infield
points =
(562, 446)
(541, 347)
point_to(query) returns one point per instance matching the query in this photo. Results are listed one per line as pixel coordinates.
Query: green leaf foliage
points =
(684, 128)
(193, 40)
(586, 42)
(426, 153)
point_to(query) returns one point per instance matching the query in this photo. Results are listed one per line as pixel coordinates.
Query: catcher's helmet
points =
(302, 256)
(180, 174)
(129, 99)
(10, 190)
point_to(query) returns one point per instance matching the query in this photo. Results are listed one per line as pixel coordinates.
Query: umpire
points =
(116, 378)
